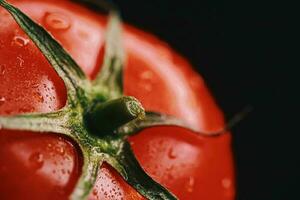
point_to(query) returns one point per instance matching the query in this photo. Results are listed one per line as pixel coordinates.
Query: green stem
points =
(74, 78)
(88, 177)
(134, 174)
(113, 114)
(110, 79)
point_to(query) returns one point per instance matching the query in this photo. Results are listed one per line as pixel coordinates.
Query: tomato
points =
(47, 166)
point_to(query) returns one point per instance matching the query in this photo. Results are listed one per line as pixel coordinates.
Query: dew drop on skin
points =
(57, 21)
(2, 69)
(36, 160)
(2, 100)
(20, 41)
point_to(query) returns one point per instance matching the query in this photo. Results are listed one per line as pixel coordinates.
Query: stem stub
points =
(104, 118)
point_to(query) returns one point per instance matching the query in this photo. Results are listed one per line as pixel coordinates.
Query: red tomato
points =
(47, 166)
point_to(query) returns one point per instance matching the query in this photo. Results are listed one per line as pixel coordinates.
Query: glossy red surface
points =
(163, 81)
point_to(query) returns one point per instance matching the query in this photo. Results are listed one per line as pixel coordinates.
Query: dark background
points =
(239, 49)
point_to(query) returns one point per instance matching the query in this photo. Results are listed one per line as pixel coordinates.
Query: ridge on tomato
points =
(190, 165)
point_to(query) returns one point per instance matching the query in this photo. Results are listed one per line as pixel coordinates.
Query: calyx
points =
(97, 116)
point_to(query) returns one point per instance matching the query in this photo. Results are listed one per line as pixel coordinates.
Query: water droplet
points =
(147, 87)
(21, 61)
(126, 129)
(83, 34)
(57, 21)
(170, 168)
(38, 97)
(36, 160)
(2, 69)
(226, 182)
(146, 75)
(172, 154)
(21, 41)
(2, 100)
(190, 184)
(146, 81)
(95, 192)
(60, 150)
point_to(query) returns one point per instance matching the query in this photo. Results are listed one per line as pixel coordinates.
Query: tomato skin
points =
(162, 80)
(37, 166)
(191, 166)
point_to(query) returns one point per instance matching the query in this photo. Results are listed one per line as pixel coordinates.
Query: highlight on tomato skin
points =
(190, 166)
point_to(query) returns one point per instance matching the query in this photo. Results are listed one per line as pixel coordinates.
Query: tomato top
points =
(191, 166)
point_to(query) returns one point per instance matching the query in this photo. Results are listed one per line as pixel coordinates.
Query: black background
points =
(239, 49)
